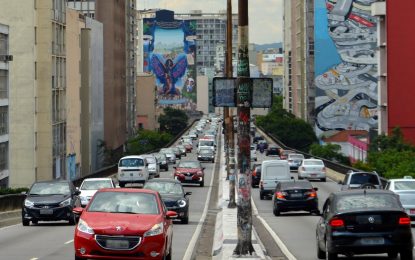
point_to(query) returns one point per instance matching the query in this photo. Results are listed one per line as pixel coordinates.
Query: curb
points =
(9, 218)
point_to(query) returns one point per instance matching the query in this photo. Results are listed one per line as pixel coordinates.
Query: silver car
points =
(312, 169)
(170, 154)
(405, 188)
(152, 165)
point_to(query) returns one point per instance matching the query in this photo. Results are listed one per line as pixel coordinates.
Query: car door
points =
(322, 223)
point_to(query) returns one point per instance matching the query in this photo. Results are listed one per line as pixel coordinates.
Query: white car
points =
(253, 153)
(294, 160)
(405, 188)
(312, 169)
(90, 185)
(152, 165)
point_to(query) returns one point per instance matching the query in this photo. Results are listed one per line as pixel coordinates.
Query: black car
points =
(162, 160)
(262, 143)
(297, 195)
(50, 201)
(364, 221)
(256, 175)
(273, 151)
(257, 138)
(173, 195)
(206, 155)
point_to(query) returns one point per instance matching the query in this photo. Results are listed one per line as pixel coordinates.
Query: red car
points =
(188, 147)
(124, 224)
(190, 172)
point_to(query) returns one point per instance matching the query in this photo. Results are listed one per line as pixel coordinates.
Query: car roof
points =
(98, 179)
(132, 156)
(53, 181)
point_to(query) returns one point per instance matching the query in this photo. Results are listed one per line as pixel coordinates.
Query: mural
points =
(169, 53)
(345, 65)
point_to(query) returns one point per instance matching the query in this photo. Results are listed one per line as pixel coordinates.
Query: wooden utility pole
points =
(230, 130)
(244, 99)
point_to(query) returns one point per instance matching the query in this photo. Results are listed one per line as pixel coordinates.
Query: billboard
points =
(345, 65)
(169, 53)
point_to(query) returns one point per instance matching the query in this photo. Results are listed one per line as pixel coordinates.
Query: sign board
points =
(225, 92)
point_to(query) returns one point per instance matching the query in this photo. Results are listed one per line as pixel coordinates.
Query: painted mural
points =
(345, 65)
(169, 53)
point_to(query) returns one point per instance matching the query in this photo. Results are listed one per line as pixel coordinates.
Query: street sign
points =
(225, 91)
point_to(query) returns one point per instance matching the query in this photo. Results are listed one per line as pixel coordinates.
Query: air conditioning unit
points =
(6, 57)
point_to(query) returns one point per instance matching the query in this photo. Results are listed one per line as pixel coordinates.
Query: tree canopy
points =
(146, 141)
(173, 121)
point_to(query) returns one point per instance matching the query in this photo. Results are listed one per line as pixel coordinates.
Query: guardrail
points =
(338, 167)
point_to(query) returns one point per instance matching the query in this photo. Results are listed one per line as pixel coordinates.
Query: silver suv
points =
(361, 180)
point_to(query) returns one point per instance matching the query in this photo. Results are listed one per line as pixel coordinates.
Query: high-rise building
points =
(87, 7)
(37, 114)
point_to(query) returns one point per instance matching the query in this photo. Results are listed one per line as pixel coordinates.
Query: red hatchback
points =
(190, 172)
(124, 224)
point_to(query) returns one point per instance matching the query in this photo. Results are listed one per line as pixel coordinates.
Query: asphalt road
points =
(297, 229)
(54, 240)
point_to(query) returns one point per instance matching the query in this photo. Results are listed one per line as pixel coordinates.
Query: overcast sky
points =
(265, 16)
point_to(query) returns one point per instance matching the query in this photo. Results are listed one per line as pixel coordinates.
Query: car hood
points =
(48, 199)
(88, 193)
(172, 197)
(129, 224)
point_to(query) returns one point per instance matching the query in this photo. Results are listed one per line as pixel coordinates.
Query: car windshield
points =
(50, 188)
(124, 202)
(96, 184)
(205, 151)
(131, 162)
(206, 143)
(189, 165)
(404, 185)
(295, 185)
(314, 162)
(363, 201)
(164, 187)
(363, 178)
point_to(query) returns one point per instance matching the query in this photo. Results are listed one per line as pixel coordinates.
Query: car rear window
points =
(404, 185)
(274, 170)
(362, 178)
(296, 156)
(315, 162)
(296, 185)
(364, 201)
(131, 162)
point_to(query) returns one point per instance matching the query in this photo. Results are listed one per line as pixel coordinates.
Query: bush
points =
(147, 141)
(329, 152)
(7, 191)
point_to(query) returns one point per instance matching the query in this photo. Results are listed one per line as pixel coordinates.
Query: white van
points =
(132, 169)
(272, 171)
(206, 143)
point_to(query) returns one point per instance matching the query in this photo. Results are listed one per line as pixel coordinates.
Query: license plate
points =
(118, 244)
(46, 211)
(373, 241)
(313, 175)
(188, 178)
(296, 195)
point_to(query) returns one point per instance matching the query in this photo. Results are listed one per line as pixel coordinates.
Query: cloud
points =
(265, 16)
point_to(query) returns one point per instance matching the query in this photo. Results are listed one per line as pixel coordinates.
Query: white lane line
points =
(68, 242)
(34, 258)
(196, 234)
(10, 226)
(277, 240)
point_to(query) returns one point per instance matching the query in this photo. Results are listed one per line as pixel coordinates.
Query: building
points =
(354, 143)
(5, 58)
(37, 114)
(395, 51)
(299, 87)
(87, 7)
(147, 111)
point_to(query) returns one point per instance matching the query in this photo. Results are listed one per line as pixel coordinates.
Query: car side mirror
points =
(188, 193)
(171, 214)
(78, 210)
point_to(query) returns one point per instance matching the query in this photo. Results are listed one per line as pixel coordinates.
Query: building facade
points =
(86, 7)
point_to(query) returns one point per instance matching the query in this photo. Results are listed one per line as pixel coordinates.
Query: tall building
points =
(86, 7)
(299, 58)
(395, 51)
(37, 114)
(5, 58)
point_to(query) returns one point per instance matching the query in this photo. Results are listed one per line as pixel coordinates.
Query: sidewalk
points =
(226, 237)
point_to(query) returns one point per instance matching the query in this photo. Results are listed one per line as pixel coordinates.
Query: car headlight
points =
(83, 227)
(181, 203)
(28, 203)
(66, 202)
(157, 229)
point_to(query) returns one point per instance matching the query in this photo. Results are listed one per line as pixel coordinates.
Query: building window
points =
(4, 156)
(3, 44)
(4, 119)
(3, 84)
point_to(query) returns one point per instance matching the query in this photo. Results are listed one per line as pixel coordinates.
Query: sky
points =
(265, 16)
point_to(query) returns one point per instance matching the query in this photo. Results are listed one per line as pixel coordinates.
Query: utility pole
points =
(229, 129)
(243, 102)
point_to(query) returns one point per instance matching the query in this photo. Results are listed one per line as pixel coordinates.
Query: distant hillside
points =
(261, 47)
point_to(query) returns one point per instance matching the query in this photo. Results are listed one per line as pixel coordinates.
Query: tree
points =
(329, 152)
(173, 121)
(146, 141)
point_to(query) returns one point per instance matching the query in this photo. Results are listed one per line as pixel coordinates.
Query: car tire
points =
(202, 184)
(392, 255)
(169, 256)
(320, 253)
(72, 219)
(261, 196)
(213, 161)
(300, 178)
(122, 184)
(35, 222)
(323, 179)
(276, 212)
(406, 254)
(25, 222)
(185, 220)
(330, 256)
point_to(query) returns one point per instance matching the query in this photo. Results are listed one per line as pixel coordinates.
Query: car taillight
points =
(311, 194)
(336, 222)
(404, 221)
(280, 195)
(254, 173)
(199, 173)
(324, 169)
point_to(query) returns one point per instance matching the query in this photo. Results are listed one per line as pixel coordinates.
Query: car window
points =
(273, 170)
(165, 187)
(362, 178)
(296, 156)
(131, 162)
(296, 185)
(189, 165)
(363, 201)
(404, 185)
(124, 202)
(96, 184)
(50, 188)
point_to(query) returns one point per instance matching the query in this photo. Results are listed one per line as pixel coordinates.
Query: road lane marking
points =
(276, 238)
(10, 226)
(70, 241)
(34, 258)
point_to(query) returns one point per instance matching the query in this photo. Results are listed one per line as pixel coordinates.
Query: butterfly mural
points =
(168, 71)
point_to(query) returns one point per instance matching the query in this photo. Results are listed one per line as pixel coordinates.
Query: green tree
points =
(330, 152)
(173, 121)
(146, 141)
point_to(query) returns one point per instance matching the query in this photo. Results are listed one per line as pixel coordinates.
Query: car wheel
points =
(320, 253)
(122, 184)
(406, 254)
(35, 221)
(169, 256)
(276, 212)
(261, 196)
(330, 256)
(323, 179)
(213, 161)
(72, 220)
(299, 177)
(315, 212)
(202, 184)
(185, 220)
(25, 222)
(392, 255)
(167, 168)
